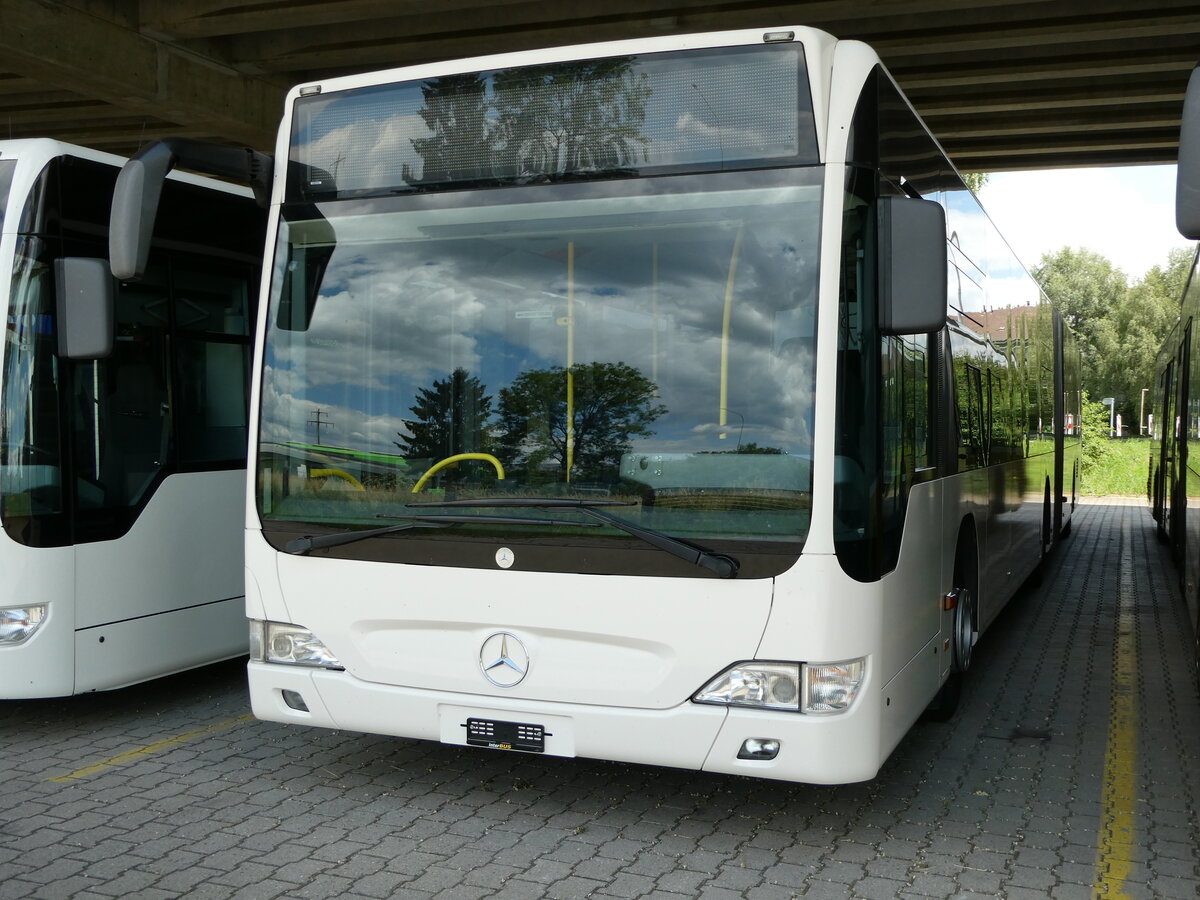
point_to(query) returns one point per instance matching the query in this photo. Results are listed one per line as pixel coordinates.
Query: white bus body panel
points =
(613, 661)
(165, 597)
(43, 666)
(645, 642)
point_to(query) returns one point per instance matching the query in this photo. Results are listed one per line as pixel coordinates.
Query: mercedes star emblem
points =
(503, 659)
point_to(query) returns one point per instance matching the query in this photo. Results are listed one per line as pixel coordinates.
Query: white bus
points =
(123, 427)
(1174, 479)
(669, 401)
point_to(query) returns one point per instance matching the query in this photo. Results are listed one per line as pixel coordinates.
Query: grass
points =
(1121, 469)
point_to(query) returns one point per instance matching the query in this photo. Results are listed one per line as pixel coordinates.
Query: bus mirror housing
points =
(1187, 174)
(85, 308)
(912, 265)
(139, 186)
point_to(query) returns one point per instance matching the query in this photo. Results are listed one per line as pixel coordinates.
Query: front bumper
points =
(817, 749)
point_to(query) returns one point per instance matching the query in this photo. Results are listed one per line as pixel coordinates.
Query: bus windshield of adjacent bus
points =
(549, 327)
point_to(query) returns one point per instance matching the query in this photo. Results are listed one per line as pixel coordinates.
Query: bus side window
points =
(213, 309)
(972, 453)
(906, 428)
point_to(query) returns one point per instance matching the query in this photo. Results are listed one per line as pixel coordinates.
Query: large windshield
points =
(648, 342)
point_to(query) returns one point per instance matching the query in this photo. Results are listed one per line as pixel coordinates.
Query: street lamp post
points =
(1142, 413)
(1111, 403)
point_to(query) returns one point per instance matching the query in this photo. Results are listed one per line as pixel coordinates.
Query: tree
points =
(535, 121)
(459, 145)
(975, 180)
(572, 117)
(612, 403)
(450, 418)
(1136, 328)
(1120, 326)
(1085, 286)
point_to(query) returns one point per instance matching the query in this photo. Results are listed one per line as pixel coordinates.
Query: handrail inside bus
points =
(451, 460)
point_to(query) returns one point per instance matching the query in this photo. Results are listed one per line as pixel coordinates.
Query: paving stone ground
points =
(1006, 800)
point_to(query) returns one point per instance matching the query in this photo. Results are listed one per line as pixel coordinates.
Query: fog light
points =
(295, 701)
(759, 748)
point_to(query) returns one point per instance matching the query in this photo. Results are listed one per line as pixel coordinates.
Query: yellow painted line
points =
(138, 752)
(1117, 844)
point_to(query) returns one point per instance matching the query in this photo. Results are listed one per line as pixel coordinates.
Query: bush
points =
(1122, 472)
(1098, 449)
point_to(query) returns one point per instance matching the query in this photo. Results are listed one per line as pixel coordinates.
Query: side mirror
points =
(912, 265)
(139, 186)
(134, 209)
(1187, 174)
(85, 308)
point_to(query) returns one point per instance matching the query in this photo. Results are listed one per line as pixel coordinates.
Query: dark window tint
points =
(85, 444)
(32, 480)
(212, 320)
(694, 110)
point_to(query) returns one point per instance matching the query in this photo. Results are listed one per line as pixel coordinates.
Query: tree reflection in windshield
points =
(570, 340)
(613, 402)
(539, 121)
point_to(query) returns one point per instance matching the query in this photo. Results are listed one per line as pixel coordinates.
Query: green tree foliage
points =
(572, 116)
(539, 121)
(1097, 448)
(612, 403)
(1120, 327)
(975, 180)
(1086, 287)
(449, 418)
(456, 112)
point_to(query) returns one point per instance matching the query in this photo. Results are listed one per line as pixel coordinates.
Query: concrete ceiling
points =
(1003, 84)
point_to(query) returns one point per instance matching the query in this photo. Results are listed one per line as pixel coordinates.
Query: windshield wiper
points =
(721, 565)
(530, 502)
(315, 542)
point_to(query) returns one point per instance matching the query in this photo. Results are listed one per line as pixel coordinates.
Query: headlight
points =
(832, 687)
(799, 687)
(278, 642)
(764, 685)
(17, 624)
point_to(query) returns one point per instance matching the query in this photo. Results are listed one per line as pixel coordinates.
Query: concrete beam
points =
(67, 48)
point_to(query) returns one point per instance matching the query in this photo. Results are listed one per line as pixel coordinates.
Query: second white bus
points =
(123, 427)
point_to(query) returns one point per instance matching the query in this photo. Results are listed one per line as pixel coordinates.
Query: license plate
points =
(500, 735)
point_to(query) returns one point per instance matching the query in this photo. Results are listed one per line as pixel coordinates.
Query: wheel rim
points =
(964, 630)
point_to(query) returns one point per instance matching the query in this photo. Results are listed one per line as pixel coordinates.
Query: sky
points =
(1125, 213)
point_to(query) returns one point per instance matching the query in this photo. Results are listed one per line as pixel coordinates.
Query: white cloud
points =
(1126, 213)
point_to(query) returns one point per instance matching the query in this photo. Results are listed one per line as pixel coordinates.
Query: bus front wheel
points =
(963, 634)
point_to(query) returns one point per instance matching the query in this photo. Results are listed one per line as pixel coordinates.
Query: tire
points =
(966, 630)
(963, 636)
